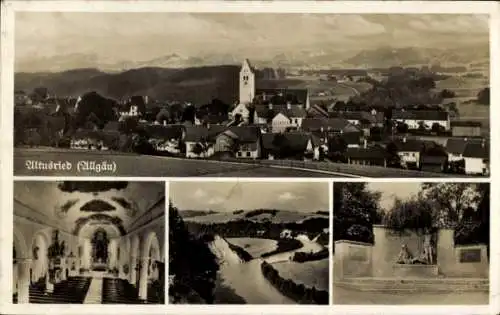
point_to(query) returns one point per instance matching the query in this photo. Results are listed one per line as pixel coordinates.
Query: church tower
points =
(247, 83)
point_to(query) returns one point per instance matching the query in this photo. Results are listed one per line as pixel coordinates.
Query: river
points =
(247, 280)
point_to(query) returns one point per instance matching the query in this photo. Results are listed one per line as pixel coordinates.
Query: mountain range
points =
(199, 80)
(324, 58)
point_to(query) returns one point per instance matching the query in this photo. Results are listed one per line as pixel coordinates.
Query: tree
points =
(128, 125)
(163, 115)
(447, 94)
(355, 210)
(415, 214)
(337, 145)
(281, 146)
(402, 128)
(421, 126)
(483, 97)
(40, 93)
(449, 201)
(191, 263)
(437, 128)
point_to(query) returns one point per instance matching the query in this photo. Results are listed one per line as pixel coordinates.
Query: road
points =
(350, 297)
(149, 166)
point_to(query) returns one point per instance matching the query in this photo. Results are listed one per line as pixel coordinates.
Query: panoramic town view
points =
(236, 95)
(227, 247)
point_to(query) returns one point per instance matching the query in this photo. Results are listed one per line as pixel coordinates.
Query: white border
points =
(7, 40)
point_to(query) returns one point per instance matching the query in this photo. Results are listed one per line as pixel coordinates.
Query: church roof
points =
(247, 62)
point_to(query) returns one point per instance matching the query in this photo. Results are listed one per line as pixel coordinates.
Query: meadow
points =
(312, 273)
(254, 246)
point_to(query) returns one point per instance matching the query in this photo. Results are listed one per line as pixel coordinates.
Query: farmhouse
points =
(244, 141)
(477, 158)
(199, 140)
(409, 152)
(465, 128)
(330, 125)
(289, 117)
(367, 156)
(427, 118)
(165, 138)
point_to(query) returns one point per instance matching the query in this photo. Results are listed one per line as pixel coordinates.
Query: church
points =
(89, 242)
(263, 104)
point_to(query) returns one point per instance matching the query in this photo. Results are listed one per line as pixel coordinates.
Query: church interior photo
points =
(86, 242)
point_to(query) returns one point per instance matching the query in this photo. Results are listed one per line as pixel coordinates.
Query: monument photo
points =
(89, 242)
(411, 243)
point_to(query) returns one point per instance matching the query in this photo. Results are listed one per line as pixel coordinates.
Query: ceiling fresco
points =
(75, 205)
(92, 187)
(97, 205)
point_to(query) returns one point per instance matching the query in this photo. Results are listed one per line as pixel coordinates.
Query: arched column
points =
(133, 269)
(143, 278)
(134, 253)
(112, 254)
(87, 251)
(23, 280)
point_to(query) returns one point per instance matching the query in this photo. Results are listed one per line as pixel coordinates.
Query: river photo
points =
(273, 250)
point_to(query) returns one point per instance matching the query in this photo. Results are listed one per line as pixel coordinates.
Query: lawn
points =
(312, 273)
(254, 246)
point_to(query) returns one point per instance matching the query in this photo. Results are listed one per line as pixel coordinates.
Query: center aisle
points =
(94, 294)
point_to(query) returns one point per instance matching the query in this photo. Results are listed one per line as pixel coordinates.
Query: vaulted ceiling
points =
(82, 206)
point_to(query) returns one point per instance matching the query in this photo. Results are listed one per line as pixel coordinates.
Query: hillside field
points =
(281, 216)
(311, 273)
(254, 246)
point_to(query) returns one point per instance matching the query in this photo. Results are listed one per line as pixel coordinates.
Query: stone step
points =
(414, 285)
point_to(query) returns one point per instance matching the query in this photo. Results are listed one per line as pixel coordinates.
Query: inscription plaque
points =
(470, 255)
(357, 253)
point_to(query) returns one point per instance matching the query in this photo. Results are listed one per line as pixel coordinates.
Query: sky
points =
(231, 196)
(391, 191)
(106, 38)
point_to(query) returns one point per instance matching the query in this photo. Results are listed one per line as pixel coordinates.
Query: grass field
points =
(157, 166)
(254, 246)
(463, 86)
(311, 273)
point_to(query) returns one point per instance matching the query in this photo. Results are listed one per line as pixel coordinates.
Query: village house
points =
(433, 163)
(367, 155)
(199, 141)
(316, 111)
(84, 139)
(465, 128)
(243, 141)
(211, 119)
(330, 125)
(409, 152)
(414, 118)
(165, 138)
(455, 148)
(296, 145)
(290, 117)
(352, 139)
(361, 118)
(477, 158)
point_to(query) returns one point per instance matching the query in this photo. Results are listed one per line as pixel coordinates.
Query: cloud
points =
(288, 196)
(200, 193)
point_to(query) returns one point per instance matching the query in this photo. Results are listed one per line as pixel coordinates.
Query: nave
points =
(84, 258)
